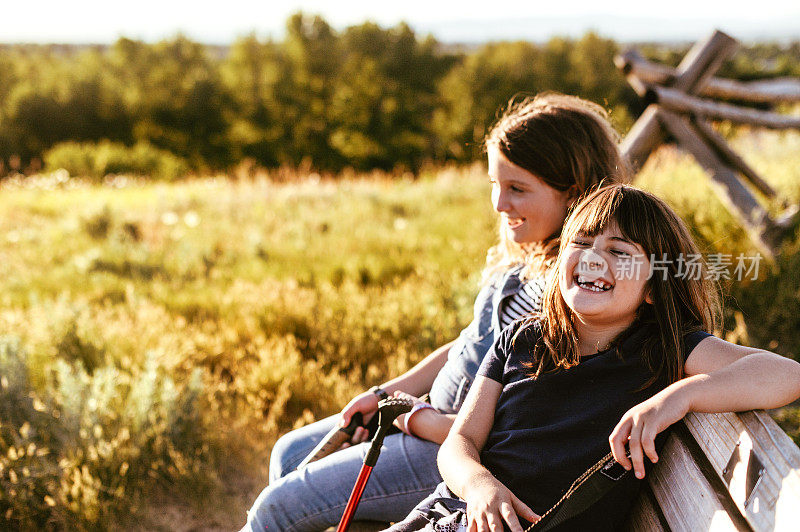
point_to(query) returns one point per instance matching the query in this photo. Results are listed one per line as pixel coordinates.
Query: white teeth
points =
(594, 286)
(601, 285)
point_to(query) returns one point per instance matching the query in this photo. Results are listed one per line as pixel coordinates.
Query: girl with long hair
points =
(620, 351)
(543, 154)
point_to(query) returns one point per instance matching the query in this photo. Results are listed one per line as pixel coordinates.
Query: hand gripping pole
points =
(388, 410)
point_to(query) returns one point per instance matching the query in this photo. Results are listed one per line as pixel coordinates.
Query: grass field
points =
(155, 339)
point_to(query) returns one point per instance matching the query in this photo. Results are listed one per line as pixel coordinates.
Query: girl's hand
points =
(490, 503)
(640, 425)
(367, 404)
(400, 421)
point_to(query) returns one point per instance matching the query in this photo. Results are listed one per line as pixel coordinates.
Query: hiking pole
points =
(332, 441)
(388, 410)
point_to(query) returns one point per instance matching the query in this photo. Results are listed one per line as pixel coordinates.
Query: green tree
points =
(250, 74)
(474, 89)
(312, 57)
(57, 100)
(385, 97)
(176, 98)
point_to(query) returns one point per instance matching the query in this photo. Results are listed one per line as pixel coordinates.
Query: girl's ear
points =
(573, 195)
(648, 297)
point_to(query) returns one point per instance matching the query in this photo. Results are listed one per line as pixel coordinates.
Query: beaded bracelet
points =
(417, 407)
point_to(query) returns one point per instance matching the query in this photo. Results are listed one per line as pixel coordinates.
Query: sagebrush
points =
(157, 335)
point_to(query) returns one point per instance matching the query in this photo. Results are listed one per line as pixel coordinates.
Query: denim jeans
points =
(406, 472)
(314, 499)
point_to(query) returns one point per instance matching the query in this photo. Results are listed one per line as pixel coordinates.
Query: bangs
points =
(625, 208)
(679, 303)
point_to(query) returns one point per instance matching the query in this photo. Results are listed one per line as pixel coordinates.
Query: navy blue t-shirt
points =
(549, 430)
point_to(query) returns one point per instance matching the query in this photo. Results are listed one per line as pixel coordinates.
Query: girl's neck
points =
(595, 338)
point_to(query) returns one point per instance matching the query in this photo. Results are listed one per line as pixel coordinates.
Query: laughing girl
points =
(616, 339)
(543, 154)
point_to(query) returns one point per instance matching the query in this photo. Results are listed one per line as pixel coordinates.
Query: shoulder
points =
(526, 330)
(496, 280)
(639, 336)
(691, 340)
(499, 272)
(505, 281)
(513, 273)
(512, 347)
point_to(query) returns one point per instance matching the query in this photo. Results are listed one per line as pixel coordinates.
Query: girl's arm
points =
(489, 502)
(721, 377)
(416, 381)
(426, 423)
(431, 425)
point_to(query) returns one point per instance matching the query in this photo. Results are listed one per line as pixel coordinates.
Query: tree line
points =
(364, 97)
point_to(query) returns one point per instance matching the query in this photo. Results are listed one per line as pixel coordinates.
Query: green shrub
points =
(287, 299)
(29, 472)
(82, 454)
(98, 160)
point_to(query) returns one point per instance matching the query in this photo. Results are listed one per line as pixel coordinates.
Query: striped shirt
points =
(523, 302)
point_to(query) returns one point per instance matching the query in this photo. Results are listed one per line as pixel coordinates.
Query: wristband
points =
(380, 392)
(417, 407)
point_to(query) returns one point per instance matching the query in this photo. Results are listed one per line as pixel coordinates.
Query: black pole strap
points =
(587, 489)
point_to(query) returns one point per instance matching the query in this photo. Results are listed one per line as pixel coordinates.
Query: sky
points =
(220, 22)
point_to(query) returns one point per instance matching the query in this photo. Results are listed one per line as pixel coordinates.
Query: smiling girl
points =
(543, 154)
(612, 341)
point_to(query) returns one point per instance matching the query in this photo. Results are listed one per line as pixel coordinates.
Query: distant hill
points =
(672, 30)
(470, 32)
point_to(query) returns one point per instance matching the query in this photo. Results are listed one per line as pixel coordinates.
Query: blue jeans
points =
(314, 499)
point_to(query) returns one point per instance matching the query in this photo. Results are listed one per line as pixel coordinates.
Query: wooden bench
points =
(717, 472)
(723, 472)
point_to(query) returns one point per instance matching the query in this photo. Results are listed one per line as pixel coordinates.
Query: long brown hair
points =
(680, 303)
(563, 140)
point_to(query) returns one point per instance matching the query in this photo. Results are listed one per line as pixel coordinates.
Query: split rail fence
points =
(682, 101)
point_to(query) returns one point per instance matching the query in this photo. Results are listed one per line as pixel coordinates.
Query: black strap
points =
(587, 489)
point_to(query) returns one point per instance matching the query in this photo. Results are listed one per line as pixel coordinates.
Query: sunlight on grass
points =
(158, 336)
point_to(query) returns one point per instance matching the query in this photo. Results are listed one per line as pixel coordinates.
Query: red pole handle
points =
(355, 498)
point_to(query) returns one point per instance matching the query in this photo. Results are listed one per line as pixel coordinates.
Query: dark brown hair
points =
(564, 140)
(680, 303)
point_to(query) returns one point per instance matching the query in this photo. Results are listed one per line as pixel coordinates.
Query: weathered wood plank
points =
(680, 102)
(631, 63)
(775, 502)
(716, 141)
(645, 135)
(645, 514)
(697, 67)
(687, 499)
(729, 188)
(702, 62)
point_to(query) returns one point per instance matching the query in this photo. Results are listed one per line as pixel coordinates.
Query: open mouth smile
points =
(596, 285)
(513, 223)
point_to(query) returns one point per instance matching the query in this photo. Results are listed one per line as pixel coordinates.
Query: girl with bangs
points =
(619, 352)
(543, 154)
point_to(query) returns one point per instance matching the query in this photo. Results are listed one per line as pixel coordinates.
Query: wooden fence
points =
(681, 101)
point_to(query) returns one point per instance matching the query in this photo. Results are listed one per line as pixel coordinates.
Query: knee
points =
(284, 456)
(292, 448)
(290, 505)
(258, 516)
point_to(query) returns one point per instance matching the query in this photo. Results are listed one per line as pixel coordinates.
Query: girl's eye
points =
(620, 253)
(581, 243)
(515, 188)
